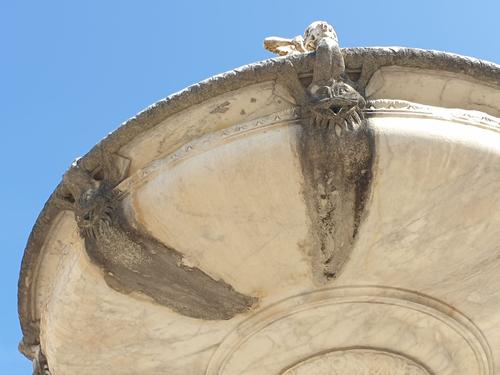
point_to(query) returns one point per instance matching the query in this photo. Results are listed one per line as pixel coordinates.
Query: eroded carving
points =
(300, 44)
(335, 148)
(134, 261)
(37, 357)
(361, 361)
(331, 99)
(40, 365)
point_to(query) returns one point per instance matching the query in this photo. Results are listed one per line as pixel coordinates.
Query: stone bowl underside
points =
(215, 173)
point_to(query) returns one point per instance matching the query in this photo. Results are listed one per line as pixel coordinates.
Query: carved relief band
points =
(423, 332)
(358, 361)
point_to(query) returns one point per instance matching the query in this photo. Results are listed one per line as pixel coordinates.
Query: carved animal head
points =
(338, 102)
(317, 31)
(93, 210)
(91, 200)
(91, 195)
(337, 95)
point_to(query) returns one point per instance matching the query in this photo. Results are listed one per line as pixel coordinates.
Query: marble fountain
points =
(328, 211)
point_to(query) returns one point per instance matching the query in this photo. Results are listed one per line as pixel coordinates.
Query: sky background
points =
(73, 71)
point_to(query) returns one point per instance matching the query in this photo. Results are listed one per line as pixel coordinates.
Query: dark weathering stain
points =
(134, 261)
(221, 108)
(336, 163)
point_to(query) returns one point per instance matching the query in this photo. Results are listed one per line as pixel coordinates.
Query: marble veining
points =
(357, 361)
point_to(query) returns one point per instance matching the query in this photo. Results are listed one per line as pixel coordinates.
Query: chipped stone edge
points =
(362, 62)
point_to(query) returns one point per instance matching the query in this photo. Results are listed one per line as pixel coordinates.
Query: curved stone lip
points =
(362, 62)
(359, 294)
(360, 351)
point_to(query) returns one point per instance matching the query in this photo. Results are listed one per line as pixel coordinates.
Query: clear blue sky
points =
(72, 71)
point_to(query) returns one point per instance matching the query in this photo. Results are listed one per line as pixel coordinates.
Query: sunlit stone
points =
(334, 212)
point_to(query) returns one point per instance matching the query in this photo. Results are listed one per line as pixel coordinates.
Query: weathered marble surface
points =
(252, 231)
(435, 88)
(223, 185)
(380, 319)
(358, 361)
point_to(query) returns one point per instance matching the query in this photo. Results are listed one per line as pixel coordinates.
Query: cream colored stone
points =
(222, 183)
(357, 361)
(233, 207)
(217, 113)
(379, 319)
(264, 219)
(433, 87)
(88, 328)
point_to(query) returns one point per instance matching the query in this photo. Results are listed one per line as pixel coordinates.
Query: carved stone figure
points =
(133, 261)
(312, 36)
(336, 150)
(331, 99)
(283, 46)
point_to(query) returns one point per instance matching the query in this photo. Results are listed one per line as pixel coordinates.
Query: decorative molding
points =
(374, 108)
(132, 260)
(359, 61)
(358, 361)
(208, 142)
(433, 326)
(390, 107)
